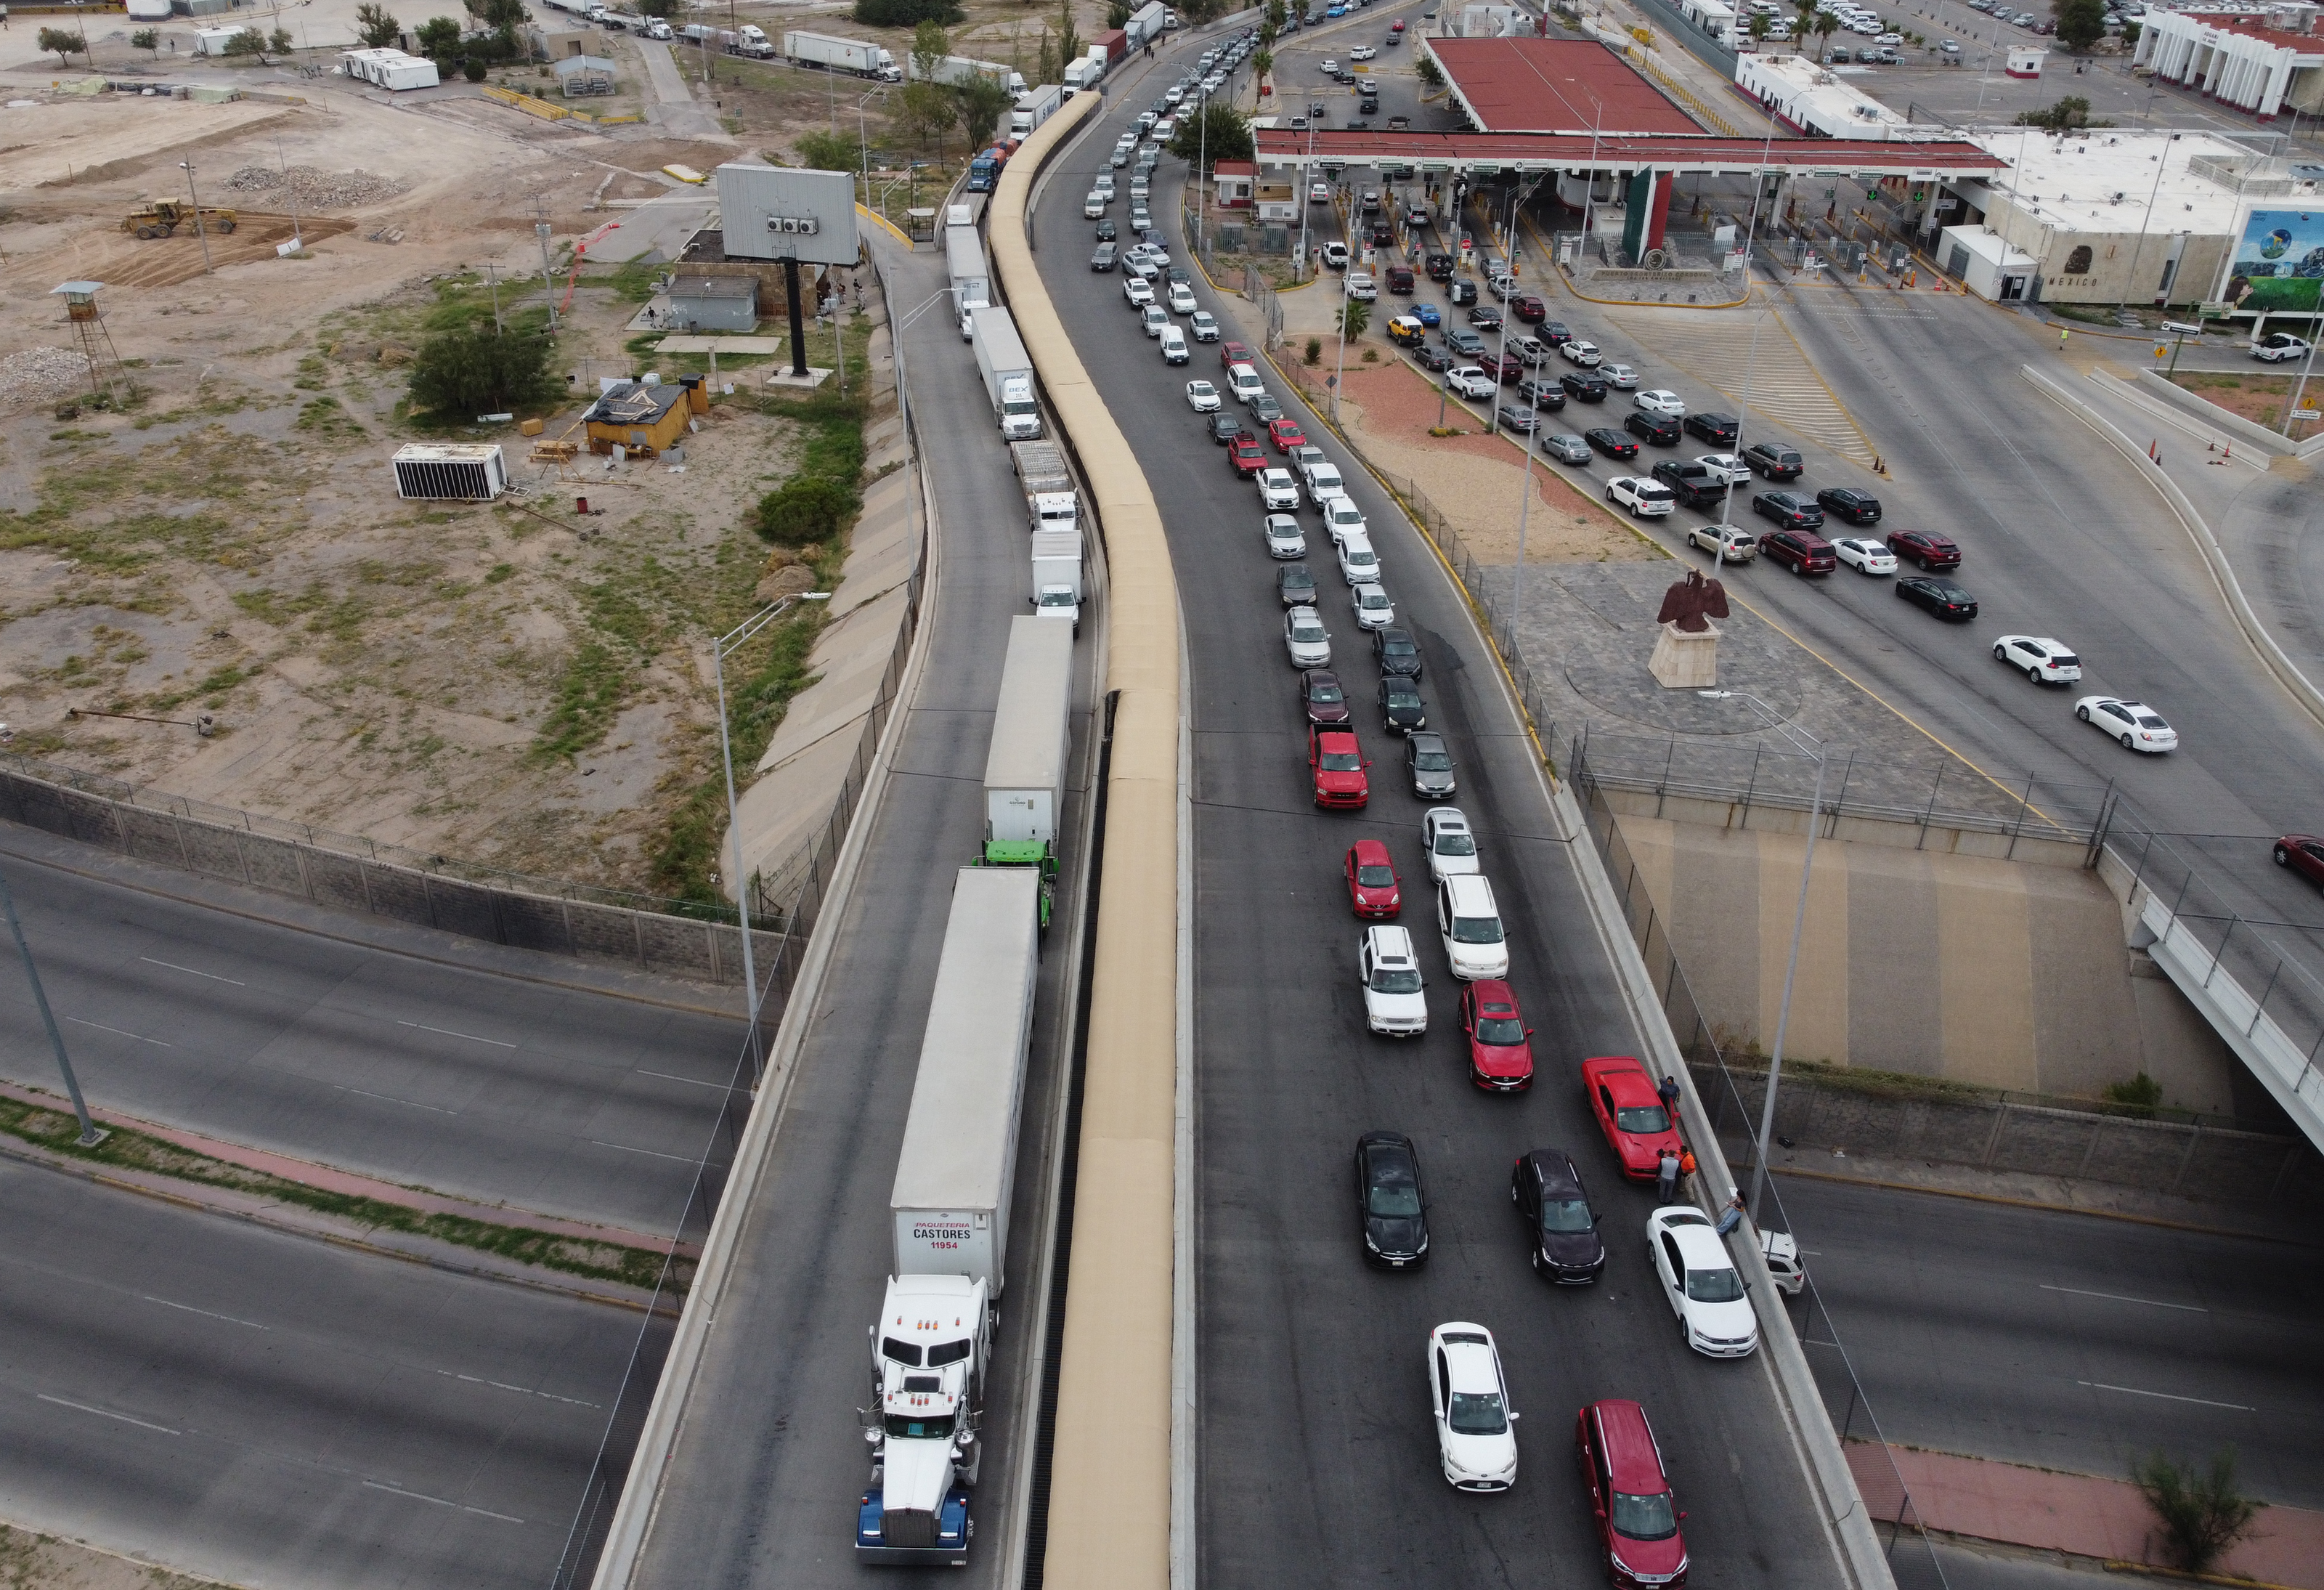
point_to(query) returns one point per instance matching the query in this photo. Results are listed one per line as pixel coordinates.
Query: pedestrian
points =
(1732, 1216)
(2063, 334)
(1669, 1090)
(1685, 1163)
(1666, 1176)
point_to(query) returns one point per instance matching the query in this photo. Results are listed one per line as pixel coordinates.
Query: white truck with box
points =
(835, 54)
(1057, 576)
(1007, 372)
(1025, 770)
(1033, 108)
(972, 278)
(953, 70)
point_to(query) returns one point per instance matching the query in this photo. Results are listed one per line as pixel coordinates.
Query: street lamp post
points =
(1784, 1012)
(726, 645)
(91, 1134)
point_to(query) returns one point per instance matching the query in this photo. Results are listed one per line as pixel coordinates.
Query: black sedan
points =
(1939, 597)
(1718, 429)
(1485, 318)
(1517, 417)
(1224, 427)
(1107, 231)
(1389, 1206)
(1788, 509)
(1296, 586)
(1611, 442)
(1561, 1227)
(1431, 359)
(1855, 506)
(1402, 710)
(1658, 429)
(1584, 386)
(1322, 697)
(1396, 652)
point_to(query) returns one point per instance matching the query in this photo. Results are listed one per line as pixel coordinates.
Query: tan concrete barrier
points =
(1109, 1521)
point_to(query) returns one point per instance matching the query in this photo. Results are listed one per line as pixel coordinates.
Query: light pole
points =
(1751, 358)
(2291, 405)
(863, 142)
(2161, 160)
(1784, 1012)
(91, 1134)
(726, 645)
(188, 167)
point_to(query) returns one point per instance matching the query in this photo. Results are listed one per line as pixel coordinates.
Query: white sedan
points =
(1373, 609)
(1202, 397)
(1343, 519)
(1304, 636)
(1863, 554)
(1363, 52)
(1476, 1427)
(1285, 539)
(1578, 351)
(1396, 1004)
(1660, 400)
(1644, 498)
(1726, 468)
(1182, 298)
(1701, 1284)
(2043, 660)
(1278, 491)
(1451, 844)
(2137, 724)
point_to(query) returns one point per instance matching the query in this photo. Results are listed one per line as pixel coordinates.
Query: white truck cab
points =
(929, 1350)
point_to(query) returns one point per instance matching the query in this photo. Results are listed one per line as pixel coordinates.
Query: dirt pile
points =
(315, 189)
(38, 375)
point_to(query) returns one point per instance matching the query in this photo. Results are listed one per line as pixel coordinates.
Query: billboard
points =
(2279, 266)
(775, 212)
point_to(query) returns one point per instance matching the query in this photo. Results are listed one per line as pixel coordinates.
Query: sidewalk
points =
(2084, 1515)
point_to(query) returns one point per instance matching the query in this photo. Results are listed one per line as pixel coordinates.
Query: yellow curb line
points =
(874, 216)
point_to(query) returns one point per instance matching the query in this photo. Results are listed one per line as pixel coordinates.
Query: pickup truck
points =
(1691, 483)
(1469, 382)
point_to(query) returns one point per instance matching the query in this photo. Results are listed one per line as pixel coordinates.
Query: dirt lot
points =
(512, 684)
(2258, 398)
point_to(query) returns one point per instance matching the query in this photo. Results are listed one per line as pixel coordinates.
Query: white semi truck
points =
(1007, 372)
(953, 70)
(950, 1204)
(1025, 770)
(1058, 575)
(971, 278)
(1034, 108)
(835, 54)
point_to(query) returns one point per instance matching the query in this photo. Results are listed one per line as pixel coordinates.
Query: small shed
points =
(647, 417)
(584, 74)
(213, 40)
(1231, 182)
(2024, 62)
(714, 303)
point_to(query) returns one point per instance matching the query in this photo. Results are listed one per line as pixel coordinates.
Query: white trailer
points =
(953, 70)
(1057, 592)
(1146, 24)
(950, 1202)
(972, 278)
(1033, 108)
(835, 54)
(1007, 372)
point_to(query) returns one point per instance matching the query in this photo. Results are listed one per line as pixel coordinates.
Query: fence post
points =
(2259, 1008)
(1757, 751)
(1846, 769)
(2024, 804)
(1934, 785)
(1670, 753)
(2233, 917)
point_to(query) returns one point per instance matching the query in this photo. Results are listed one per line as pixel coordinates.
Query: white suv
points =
(1470, 926)
(1394, 1005)
(1342, 519)
(1644, 498)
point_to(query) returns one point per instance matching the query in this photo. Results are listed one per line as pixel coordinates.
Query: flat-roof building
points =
(2262, 58)
(1808, 99)
(1551, 86)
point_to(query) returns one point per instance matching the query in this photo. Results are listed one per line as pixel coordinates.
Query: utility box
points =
(450, 472)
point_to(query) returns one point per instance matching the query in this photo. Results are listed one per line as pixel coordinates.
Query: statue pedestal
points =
(1684, 662)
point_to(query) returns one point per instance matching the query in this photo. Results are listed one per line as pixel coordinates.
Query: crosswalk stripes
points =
(1715, 345)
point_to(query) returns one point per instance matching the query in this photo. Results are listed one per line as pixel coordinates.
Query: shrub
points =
(2202, 1514)
(906, 13)
(807, 508)
(2138, 1097)
(1315, 355)
(476, 68)
(473, 370)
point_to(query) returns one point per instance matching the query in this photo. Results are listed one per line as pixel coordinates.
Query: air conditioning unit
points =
(450, 472)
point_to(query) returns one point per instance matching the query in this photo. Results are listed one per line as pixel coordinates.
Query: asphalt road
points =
(274, 1411)
(770, 1458)
(1316, 1447)
(586, 1106)
(2070, 1342)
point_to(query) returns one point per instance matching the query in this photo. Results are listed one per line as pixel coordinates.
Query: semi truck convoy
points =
(1040, 471)
(984, 170)
(950, 1204)
(1007, 372)
(1025, 770)
(971, 278)
(840, 55)
(1033, 108)
(729, 41)
(1057, 581)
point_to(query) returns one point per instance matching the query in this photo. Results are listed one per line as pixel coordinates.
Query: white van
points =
(1174, 345)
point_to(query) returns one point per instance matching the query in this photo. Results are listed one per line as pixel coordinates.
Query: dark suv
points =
(1802, 551)
(1773, 460)
(1553, 332)
(1561, 1228)
(1542, 392)
(1789, 509)
(1855, 506)
(1399, 280)
(1930, 551)
(1718, 429)
(1530, 308)
(1439, 267)
(1660, 430)
(1586, 387)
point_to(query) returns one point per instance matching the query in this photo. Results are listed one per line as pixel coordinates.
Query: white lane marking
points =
(384, 1099)
(117, 1032)
(174, 967)
(626, 1149)
(2165, 1396)
(205, 1313)
(504, 1385)
(2118, 1298)
(107, 1413)
(692, 1081)
(439, 1501)
(447, 1033)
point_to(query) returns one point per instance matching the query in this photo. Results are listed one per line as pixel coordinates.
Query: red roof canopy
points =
(1280, 147)
(1554, 85)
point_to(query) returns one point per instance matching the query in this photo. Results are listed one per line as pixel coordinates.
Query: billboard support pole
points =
(798, 319)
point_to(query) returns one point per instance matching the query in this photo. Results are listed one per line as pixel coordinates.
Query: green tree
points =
(375, 26)
(1760, 23)
(1426, 69)
(906, 13)
(63, 43)
(439, 38)
(279, 40)
(1046, 66)
(1355, 318)
(1069, 37)
(246, 41)
(808, 507)
(1117, 13)
(2069, 115)
(147, 39)
(2080, 22)
(1803, 23)
(473, 370)
(1220, 133)
(662, 8)
(824, 151)
(930, 45)
(1826, 26)
(982, 104)
(927, 111)
(2202, 1514)
(1262, 63)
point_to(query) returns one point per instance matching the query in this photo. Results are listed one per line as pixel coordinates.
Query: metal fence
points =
(1887, 1499)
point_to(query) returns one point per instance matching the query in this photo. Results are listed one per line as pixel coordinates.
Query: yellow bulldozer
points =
(162, 219)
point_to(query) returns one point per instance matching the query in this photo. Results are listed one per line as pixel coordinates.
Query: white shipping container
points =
(1025, 770)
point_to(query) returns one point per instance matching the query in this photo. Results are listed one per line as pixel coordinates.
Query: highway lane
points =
(273, 1410)
(586, 1106)
(770, 1458)
(1318, 1462)
(2071, 1342)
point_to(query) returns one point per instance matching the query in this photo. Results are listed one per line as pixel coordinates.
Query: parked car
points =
(1517, 417)
(1792, 510)
(1939, 597)
(1542, 392)
(1397, 653)
(1658, 400)
(1846, 502)
(1306, 639)
(1285, 435)
(1428, 764)
(1391, 1210)
(1690, 484)
(1620, 377)
(2277, 347)
(1718, 429)
(1248, 459)
(1323, 697)
(2301, 853)
(1584, 354)
(1643, 496)
(1336, 764)
(1284, 537)
(1374, 610)
(1295, 586)
(1583, 388)
(1434, 360)
(1933, 553)
(1500, 1045)
(1562, 1240)
(1564, 447)
(1103, 257)
(1224, 427)
(1731, 544)
(1470, 924)
(1450, 845)
(2040, 659)
(1660, 430)
(1395, 1003)
(1630, 1114)
(1612, 443)
(2137, 724)
(1203, 397)
(1470, 381)
(1203, 326)
(1701, 1284)
(1528, 307)
(1725, 467)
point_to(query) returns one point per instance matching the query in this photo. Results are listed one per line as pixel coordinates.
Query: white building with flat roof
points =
(1810, 100)
(2262, 58)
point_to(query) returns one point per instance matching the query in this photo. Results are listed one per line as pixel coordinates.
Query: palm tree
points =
(1806, 23)
(1826, 25)
(1355, 319)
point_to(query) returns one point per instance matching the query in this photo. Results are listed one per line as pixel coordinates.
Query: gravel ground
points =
(38, 375)
(315, 189)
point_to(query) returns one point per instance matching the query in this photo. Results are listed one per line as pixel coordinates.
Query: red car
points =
(1802, 551)
(1231, 353)
(1372, 880)
(1246, 455)
(1505, 368)
(1930, 551)
(1630, 1495)
(1285, 435)
(1530, 308)
(1630, 1113)
(1501, 1057)
(2303, 854)
(1337, 764)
